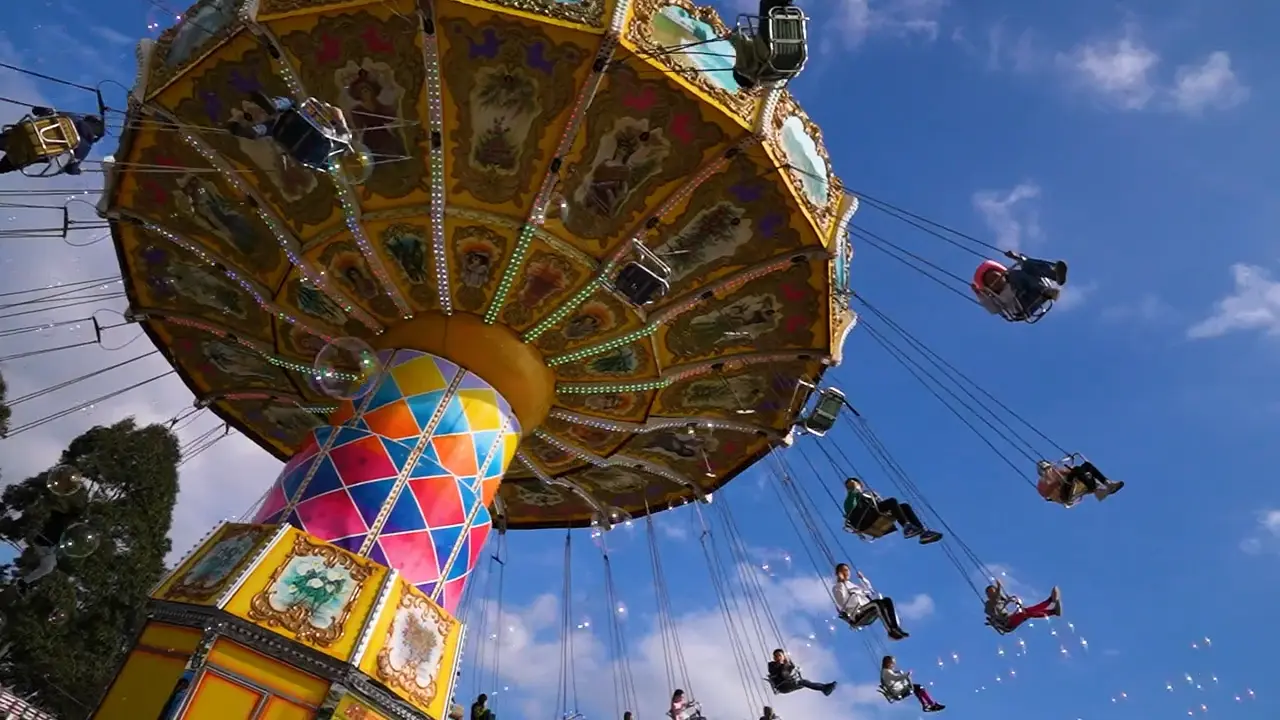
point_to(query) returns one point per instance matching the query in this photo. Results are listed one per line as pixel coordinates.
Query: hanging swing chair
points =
(825, 412)
(34, 140)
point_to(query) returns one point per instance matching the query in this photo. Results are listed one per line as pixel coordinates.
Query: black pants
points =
(791, 685)
(1085, 474)
(904, 514)
(880, 607)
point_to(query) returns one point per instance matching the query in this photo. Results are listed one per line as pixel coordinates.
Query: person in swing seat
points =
(480, 709)
(998, 602)
(785, 677)
(897, 685)
(1018, 292)
(863, 508)
(769, 714)
(683, 708)
(857, 607)
(90, 128)
(309, 146)
(1057, 483)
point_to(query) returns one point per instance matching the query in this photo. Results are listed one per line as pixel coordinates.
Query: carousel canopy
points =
(520, 150)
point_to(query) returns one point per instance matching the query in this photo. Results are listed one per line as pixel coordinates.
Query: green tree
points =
(66, 635)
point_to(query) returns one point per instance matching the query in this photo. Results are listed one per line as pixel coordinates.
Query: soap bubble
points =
(64, 480)
(79, 541)
(346, 368)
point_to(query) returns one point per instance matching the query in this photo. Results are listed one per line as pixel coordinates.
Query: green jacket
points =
(851, 500)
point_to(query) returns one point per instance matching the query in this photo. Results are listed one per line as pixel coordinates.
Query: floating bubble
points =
(79, 541)
(64, 481)
(346, 368)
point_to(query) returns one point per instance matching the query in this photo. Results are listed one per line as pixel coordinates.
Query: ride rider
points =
(897, 685)
(65, 512)
(858, 608)
(997, 605)
(785, 677)
(91, 129)
(480, 709)
(862, 508)
(1057, 483)
(1017, 293)
(313, 150)
(683, 709)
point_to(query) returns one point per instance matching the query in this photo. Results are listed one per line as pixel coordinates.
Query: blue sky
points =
(1137, 142)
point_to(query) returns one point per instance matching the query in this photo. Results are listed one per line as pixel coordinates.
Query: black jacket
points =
(780, 672)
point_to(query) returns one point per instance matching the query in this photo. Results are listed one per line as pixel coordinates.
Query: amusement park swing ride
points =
(477, 264)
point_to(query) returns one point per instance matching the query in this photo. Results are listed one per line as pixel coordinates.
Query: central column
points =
(405, 474)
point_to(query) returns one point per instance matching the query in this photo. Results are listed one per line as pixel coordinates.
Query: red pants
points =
(1040, 610)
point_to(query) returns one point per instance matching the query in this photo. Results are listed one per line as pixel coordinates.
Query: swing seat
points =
(884, 525)
(825, 412)
(308, 137)
(892, 696)
(40, 139)
(999, 626)
(640, 285)
(1029, 315)
(788, 41)
(771, 49)
(860, 622)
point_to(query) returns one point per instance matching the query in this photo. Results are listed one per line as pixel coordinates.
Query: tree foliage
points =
(132, 484)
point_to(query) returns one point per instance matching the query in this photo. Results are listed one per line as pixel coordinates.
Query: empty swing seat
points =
(825, 412)
(639, 284)
(41, 139)
(788, 41)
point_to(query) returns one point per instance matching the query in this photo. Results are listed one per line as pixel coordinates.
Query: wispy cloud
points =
(115, 37)
(859, 19)
(1122, 72)
(1149, 308)
(918, 607)
(1211, 84)
(1010, 214)
(1073, 297)
(1253, 304)
(1118, 69)
(1265, 537)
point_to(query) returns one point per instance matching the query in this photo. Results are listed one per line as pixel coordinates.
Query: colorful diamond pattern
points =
(451, 480)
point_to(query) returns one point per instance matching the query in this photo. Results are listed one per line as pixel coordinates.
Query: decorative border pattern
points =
(640, 33)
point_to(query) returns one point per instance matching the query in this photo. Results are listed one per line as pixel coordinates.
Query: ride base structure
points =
(338, 600)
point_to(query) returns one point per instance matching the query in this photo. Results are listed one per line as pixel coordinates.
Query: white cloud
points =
(208, 493)
(918, 607)
(115, 37)
(860, 19)
(1117, 69)
(1074, 296)
(1016, 51)
(529, 646)
(1254, 304)
(1211, 84)
(1150, 308)
(1266, 536)
(1122, 72)
(1010, 214)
